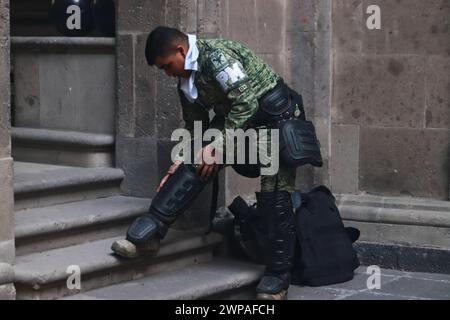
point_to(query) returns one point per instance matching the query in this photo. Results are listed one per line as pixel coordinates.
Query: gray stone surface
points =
(438, 92)
(63, 156)
(32, 177)
(322, 127)
(7, 292)
(61, 138)
(415, 27)
(210, 18)
(188, 15)
(347, 26)
(410, 258)
(38, 185)
(41, 268)
(6, 273)
(428, 289)
(4, 18)
(405, 162)
(410, 203)
(7, 251)
(138, 158)
(6, 200)
(226, 278)
(62, 147)
(344, 158)
(43, 275)
(393, 78)
(322, 74)
(197, 281)
(167, 105)
(126, 113)
(71, 88)
(36, 43)
(404, 216)
(146, 103)
(377, 91)
(394, 285)
(300, 16)
(63, 217)
(141, 15)
(409, 235)
(269, 26)
(242, 22)
(5, 120)
(300, 67)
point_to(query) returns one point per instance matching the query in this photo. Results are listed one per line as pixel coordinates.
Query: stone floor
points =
(393, 285)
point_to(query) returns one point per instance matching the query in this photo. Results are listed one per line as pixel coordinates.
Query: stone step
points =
(218, 279)
(400, 232)
(68, 224)
(62, 147)
(412, 203)
(422, 224)
(45, 275)
(39, 185)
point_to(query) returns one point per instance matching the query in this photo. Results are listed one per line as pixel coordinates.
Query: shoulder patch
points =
(231, 76)
(218, 60)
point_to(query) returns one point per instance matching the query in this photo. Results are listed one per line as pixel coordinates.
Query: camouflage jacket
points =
(229, 80)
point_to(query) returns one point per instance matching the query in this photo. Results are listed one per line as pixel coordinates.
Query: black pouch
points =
(298, 141)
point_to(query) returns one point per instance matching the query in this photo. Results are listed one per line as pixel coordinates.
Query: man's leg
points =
(274, 202)
(145, 233)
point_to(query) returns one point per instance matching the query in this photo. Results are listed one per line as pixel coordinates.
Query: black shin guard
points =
(173, 198)
(277, 210)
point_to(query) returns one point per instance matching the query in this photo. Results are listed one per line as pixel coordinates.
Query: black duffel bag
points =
(324, 252)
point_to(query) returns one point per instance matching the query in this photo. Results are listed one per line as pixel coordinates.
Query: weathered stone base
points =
(7, 292)
(415, 259)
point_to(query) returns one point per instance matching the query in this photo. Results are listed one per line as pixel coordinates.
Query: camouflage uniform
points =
(230, 80)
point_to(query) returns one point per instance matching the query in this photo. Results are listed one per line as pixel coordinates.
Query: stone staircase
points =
(221, 278)
(69, 216)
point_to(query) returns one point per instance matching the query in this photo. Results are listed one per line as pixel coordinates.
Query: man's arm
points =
(192, 112)
(231, 76)
(235, 83)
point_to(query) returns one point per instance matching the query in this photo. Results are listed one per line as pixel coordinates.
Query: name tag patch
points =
(230, 76)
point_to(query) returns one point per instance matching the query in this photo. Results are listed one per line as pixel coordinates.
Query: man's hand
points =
(206, 171)
(171, 171)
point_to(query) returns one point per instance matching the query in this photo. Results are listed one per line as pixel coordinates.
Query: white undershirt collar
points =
(190, 63)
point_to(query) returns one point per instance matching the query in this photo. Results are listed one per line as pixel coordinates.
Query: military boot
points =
(143, 237)
(276, 208)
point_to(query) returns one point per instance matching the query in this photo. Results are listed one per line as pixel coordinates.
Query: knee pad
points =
(144, 228)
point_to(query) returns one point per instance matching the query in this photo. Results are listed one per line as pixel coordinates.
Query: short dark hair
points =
(162, 41)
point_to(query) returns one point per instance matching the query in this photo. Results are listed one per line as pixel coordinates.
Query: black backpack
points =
(324, 251)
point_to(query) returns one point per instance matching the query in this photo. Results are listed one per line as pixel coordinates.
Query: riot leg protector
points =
(177, 194)
(276, 208)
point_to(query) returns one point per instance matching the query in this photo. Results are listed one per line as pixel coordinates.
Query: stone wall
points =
(391, 92)
(7, 251)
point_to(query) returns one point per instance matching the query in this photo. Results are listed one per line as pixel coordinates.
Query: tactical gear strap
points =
(213, 209)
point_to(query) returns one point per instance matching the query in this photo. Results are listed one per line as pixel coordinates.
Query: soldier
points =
(228, 78)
